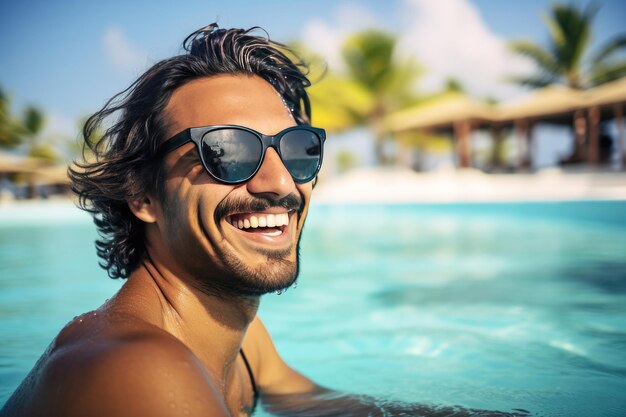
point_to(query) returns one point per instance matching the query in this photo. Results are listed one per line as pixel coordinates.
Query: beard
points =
(240, 280)
(231, 275)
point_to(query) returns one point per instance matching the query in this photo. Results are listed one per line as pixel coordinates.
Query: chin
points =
(277, 274)
(278, 271)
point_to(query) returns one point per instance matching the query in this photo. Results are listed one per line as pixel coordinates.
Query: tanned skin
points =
(164, 345)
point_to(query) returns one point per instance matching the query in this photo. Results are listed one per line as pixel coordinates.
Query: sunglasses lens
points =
(231, 155)
(301, 151)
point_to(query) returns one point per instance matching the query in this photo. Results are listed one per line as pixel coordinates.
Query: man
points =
(201, 231)
(199, 189)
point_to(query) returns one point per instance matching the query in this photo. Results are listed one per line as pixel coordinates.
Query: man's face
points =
(198, 229)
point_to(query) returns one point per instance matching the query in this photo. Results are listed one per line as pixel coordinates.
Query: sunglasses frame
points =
(195, 135)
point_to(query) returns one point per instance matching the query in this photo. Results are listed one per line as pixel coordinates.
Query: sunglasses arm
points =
(175, 142)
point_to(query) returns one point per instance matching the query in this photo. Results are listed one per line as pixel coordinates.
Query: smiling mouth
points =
(267, 224)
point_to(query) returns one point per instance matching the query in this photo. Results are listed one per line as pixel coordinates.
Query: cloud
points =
(123, 55)
(326, 38)
(448, 38)
(451, 40)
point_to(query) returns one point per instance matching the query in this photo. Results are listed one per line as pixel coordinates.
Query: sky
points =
(69, 57)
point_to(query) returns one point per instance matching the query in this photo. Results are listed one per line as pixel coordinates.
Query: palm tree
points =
(24, 131)
(9, 126)
(32, 125)
(374, 84)
(24, 134)
(567, 59)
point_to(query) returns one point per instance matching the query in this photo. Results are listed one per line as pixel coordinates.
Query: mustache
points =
(260, 203)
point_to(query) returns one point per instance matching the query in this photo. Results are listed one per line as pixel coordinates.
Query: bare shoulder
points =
(128, 370)
(273, 374)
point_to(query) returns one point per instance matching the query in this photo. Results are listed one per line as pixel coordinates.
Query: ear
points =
(144, 208)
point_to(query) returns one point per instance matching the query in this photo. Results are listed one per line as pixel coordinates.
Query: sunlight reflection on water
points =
(497, 306)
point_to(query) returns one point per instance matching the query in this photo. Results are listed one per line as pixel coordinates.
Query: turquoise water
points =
(494, 306)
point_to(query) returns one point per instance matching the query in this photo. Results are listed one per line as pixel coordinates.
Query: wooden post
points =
(522, 132)
(404, 154)
(496, 147)
(580, 135)
(594, 132)
(529, 143)
(621, 138)
(462, 132)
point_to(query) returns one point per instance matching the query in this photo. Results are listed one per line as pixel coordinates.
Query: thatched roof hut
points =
(583, 110)
(440, 112)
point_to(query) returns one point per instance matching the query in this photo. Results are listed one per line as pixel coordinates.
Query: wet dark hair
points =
(124, 166)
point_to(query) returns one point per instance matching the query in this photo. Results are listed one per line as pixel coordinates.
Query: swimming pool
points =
(494, 306)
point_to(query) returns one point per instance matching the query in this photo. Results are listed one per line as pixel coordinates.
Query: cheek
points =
(202, 201)
(180, 210)
(305, 191)
(189, 229)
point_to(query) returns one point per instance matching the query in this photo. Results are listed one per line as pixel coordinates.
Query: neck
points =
(212, 327)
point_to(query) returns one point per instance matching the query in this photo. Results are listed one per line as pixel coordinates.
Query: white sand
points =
(376, 185)
(405, 186)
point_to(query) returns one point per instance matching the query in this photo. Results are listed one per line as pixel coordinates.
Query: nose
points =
(272, 177)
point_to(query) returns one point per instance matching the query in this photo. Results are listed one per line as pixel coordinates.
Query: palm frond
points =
(544, 59)
(604, 73)
(9, 125)
(556, 31)
(368, 56)
(533, 81)
(609, 48)
(575, 26)
(399, 87)
(34, 120)
(340, 103)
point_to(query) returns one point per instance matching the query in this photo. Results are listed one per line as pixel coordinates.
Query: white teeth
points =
(282, 219)
(268, 220)
(271, 220)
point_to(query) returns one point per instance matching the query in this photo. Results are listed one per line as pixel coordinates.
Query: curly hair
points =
(124, 165)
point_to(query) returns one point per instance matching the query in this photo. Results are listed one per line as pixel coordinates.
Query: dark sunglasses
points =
(233, 154)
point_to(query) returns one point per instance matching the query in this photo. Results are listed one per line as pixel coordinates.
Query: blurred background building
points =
(415, 85)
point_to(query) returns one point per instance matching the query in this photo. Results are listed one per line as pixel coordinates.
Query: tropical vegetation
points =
(25, 132)
(567, 58)
(373, 84)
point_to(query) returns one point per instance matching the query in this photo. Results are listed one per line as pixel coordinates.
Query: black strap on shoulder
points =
(252, 381)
